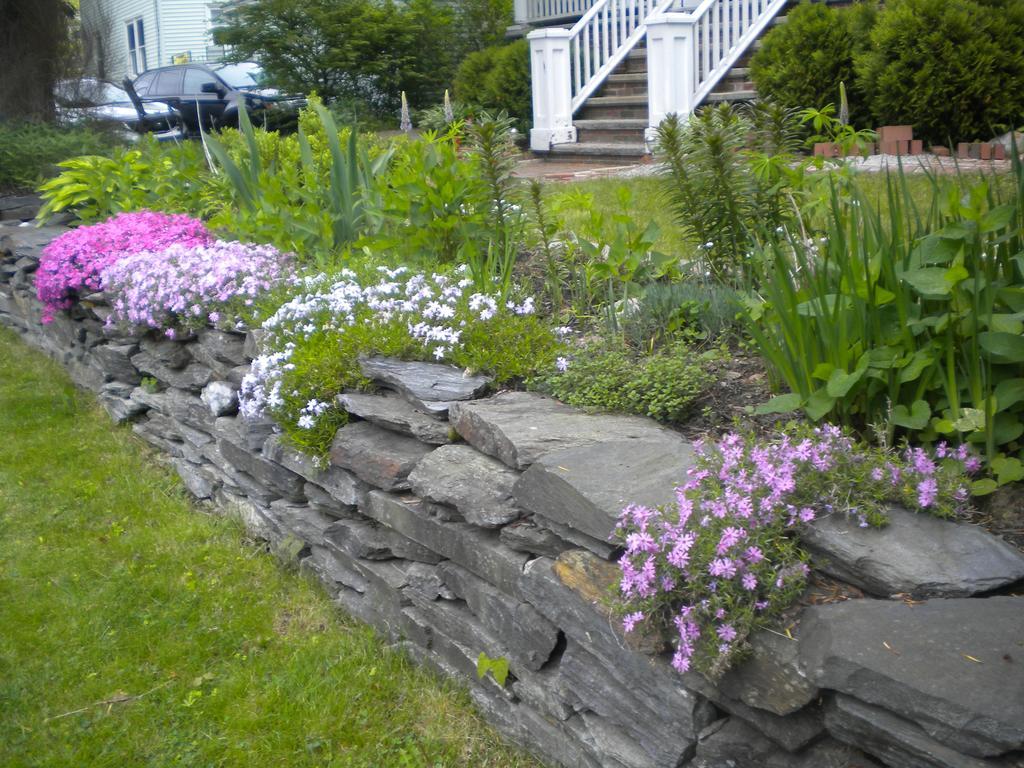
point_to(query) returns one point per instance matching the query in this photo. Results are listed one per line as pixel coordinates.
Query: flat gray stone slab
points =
(917, 554)
(520, 427)
(377, 456)
(955, 667)
(342, 486)
(587, 487)
(479, 487)
(900, 743)
(478, 551)
(529, 637)
(429, 386)
(770, 678)
(397, 414)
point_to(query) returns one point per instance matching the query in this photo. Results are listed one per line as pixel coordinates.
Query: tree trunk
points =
(33, 47)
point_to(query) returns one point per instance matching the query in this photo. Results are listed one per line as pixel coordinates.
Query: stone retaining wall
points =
(458, 524)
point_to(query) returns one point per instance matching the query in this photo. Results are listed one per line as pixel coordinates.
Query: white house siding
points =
(172, 27)
(109, 18)
(184, 28)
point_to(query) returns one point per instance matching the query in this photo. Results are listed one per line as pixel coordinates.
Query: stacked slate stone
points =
(458, 524)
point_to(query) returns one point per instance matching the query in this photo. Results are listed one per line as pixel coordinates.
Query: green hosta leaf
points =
(780, 404)
(840, 383)
(928, 281)
(819, 404)
(983, 487)
(996, 219)
(822, 371)
(1003, 347)
(916, 417)
(971, 420)
(956, 274)
(1009, 392)
(935, 249)
(1006, 324)
(1007, 469)
(921, 360)
(1006, 427)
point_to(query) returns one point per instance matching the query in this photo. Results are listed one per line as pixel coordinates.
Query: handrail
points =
(724, 29)
(602, 38)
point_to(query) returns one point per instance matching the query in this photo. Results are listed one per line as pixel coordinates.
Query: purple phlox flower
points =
(753, 555)
(630, 620)
(722, 567)
(726, 632)
(749, 581)
(927, 492)
(731, 536)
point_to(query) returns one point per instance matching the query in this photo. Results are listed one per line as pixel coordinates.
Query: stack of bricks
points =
(980, 150)
(898, 140)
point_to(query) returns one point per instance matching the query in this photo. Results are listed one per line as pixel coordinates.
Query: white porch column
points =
(552, 92)
(671, 67)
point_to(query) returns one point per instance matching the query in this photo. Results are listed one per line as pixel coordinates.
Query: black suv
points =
(199, 95)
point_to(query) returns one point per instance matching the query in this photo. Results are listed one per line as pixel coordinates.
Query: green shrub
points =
(951, 68)
(498, 79)
(28, 151)
(663, 386)
(801, 63)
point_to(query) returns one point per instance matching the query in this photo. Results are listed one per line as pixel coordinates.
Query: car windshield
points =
(241, 76)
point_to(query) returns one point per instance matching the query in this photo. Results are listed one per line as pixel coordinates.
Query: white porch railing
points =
(689, 52)
(568, 65)
(541, 11)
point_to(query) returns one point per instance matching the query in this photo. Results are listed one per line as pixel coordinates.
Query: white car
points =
(92, 99)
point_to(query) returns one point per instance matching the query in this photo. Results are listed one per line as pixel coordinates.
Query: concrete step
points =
(604, 152)
(720, 96)
(622, 131)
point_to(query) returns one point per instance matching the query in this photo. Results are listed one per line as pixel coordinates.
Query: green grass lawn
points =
(136, 630)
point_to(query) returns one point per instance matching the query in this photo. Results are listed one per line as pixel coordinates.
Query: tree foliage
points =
(363, 50)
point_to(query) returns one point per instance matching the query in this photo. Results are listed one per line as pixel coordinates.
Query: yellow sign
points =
(181, 58)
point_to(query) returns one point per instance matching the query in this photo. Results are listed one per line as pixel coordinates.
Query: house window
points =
(136, 46)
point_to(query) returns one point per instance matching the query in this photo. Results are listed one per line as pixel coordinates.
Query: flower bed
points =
(724, 559)
(74, 262)
(313, 342)
(187, 285)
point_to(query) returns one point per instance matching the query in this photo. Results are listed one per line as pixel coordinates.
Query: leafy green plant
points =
(905, 319)
(497, 667)
(148, 175)
(724, 194)
(664, 385)
(319, 218)
(680, 310)
(431, 206)
(494, 155)
(830, 128)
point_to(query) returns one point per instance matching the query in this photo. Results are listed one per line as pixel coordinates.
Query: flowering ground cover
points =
(188, 285)
(138, 631)
(725, 559)
(74, 262)
(313, 340)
